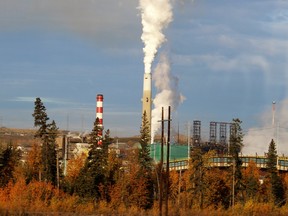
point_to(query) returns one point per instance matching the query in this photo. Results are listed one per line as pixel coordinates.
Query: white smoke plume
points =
(156, 16)
(257, 140)
(167, 93)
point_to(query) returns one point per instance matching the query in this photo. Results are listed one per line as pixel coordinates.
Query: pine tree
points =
(40, 118)
(197, 175)
(109, 173)
(47, 133)
(276, 181)
(51, 174)
(272, 158)
(145, 161)
(10, 158)
(92, 175)
(144, 153)
(107, 140)
(236, 144)
(198, 168)
(95, 137)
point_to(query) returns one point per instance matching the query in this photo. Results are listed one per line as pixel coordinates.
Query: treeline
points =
(104, 184)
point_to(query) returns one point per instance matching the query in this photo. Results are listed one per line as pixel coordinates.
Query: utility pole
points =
(167, 163)
(65, 154)
(188, 140)
(167, 160)
(161, 165)
(57, 169)
(233, 185)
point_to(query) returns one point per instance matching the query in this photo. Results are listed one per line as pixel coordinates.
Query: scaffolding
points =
(196, 132)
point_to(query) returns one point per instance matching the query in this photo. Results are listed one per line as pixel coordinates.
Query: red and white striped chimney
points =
(99, 114)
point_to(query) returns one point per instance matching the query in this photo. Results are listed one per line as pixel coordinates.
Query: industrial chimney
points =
(147, 98)
(99, 115)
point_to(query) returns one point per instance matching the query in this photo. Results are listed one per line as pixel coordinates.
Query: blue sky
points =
(230, 58)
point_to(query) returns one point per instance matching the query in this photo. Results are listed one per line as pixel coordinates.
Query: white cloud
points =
(280, 16)
(216, 62)
(270, 46)
(227, 41)
(43, 99)
(257, 139)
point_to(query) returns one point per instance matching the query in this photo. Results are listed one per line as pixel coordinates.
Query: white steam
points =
(156, 15)
(257, 140)
(167, 93)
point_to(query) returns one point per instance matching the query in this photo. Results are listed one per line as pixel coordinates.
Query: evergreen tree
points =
(47, 133)
(109, 170)
(236, 144)
(272, 158)
(107, 140)
(40, 118)
(145, 161)
(51, 173)
(198, 168)
(93, 174)
(197, 175)
(276, 181)
(95, 137)
(145, 137)
(9, 159)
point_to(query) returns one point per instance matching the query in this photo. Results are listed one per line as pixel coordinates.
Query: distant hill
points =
(6, 130)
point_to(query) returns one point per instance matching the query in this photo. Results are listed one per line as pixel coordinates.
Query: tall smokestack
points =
(147, 98)
(155, 15)
(99, 115)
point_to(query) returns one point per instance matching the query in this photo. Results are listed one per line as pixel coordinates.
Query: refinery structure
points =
(153, 38)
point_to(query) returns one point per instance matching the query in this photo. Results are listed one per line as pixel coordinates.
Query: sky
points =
(230, 59)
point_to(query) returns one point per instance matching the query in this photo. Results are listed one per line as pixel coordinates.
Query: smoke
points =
(167, 93)
(156, 16)
(257, 140)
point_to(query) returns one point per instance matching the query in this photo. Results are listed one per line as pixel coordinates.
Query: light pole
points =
(233, 184)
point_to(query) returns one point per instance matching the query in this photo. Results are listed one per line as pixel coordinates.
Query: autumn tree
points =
(251, 178)
(114, 168)
(276, 181)
(198, 168)
(196, 176)
(73, 170)
(135, 188)
(135, 185)
(33, 163)
(217, 191)
(175, 185)
(111, 166)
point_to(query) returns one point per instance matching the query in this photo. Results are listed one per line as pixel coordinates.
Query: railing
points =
(226, 161)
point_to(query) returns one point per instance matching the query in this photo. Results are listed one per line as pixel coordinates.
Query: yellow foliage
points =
(74, 166)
